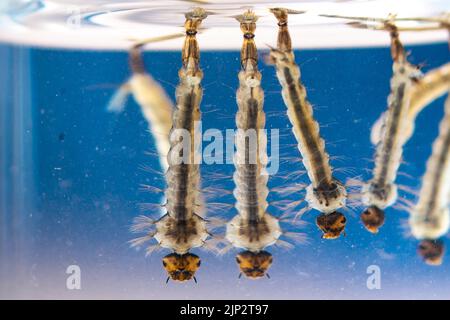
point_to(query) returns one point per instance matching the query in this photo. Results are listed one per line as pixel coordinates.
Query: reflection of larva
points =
(155, 105)
(325, 193)
(430, 217)
(431, 86)
(181, 228)
(253, 228)
(426, 89)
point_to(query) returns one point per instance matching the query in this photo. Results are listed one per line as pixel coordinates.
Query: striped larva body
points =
(252, 228)
(182, 228)
(325, 193)
(430, 217)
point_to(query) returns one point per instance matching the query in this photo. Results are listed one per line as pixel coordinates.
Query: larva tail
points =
(118, 101)
(253, 235)
(433, 227)
(181, 235)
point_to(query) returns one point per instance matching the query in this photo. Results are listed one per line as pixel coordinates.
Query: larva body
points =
(253, 228)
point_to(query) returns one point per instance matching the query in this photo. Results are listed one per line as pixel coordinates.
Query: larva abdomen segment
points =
(251, 192)
(304, 126)
(183, 176)
(253, 235)
(253, 228)
(181, 235)
(250, 176)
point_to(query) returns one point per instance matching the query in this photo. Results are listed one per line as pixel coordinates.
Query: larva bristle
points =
(150, 249)
(138, 242)
(297, 237)
(284, 244)
(141, 224)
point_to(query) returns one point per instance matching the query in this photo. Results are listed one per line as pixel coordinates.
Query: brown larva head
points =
(181, 267)
(431, 251)
(372, 218)
(332, 224)
(254, 265)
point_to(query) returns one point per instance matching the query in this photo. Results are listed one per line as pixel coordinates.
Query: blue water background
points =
(80, 172)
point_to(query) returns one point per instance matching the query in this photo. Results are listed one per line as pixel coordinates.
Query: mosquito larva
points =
(154, 102)
(325, 193)
(253, 228)
(182, 228)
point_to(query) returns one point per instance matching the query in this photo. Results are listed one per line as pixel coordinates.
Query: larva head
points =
(372, 218)
(332, 224)
(431, 251)
(254, 265)
(181, 267)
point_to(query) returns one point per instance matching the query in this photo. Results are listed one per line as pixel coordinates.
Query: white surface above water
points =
(111, 24)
